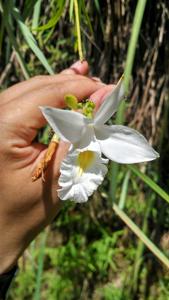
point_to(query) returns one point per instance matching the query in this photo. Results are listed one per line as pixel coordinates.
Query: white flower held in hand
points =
(81, 174)
(118, 143)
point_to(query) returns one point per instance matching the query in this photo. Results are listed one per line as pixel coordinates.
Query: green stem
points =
(77, 22)
(127, 74)
(133, 40)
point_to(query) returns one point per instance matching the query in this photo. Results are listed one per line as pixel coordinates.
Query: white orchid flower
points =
(118, 143)
(80, 175)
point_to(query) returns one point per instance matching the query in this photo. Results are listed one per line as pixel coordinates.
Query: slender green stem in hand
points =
(77, 21)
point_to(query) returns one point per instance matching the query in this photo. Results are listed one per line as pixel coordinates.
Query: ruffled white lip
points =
(79, 186)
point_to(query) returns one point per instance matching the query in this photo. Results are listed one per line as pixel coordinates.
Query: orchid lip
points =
(81, 174)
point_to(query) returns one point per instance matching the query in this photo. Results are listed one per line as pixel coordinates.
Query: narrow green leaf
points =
(70, 10)
(53, 21)
(36, 14)
(138, 17)
(15, 46)
(37, 295)
(100, 14)
(139, 257)
(155, 187)
(113, 173)
(153, 248)
(28, 8)
(31, 41)
(87, 18)
(124, 190)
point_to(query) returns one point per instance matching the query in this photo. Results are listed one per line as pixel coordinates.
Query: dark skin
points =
(26, 207)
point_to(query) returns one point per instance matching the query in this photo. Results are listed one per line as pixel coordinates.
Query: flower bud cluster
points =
(86, 108)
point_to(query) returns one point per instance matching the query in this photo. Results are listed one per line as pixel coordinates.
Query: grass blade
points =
(154, 186)
(54, 20)
(31, 41)
(124, 190)
(16, 48)
(28, 8)
(140, 247)
(138, 17)
(97, 5)
(36, 14)
(150, 245)
(71, 10)
(87, 18)
(113, 173)
(37, 295)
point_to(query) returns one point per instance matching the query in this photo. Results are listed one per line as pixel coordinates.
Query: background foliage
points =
(88, 252)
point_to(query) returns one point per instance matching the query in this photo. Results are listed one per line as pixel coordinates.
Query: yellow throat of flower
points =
(84, 161)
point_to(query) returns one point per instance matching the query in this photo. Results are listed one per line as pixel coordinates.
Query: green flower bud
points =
(71, 101)
(88, 108)
(80, 105)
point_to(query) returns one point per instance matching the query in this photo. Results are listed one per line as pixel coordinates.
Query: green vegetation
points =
(88, 252)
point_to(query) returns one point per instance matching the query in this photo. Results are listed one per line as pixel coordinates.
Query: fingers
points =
(37, 82)
(25, 113)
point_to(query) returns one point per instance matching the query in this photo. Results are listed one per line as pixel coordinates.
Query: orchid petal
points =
(124, 145)
(69, 125)
(110, 104)
(88, 141)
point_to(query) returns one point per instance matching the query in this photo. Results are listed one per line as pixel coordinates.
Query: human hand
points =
(26, 207)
